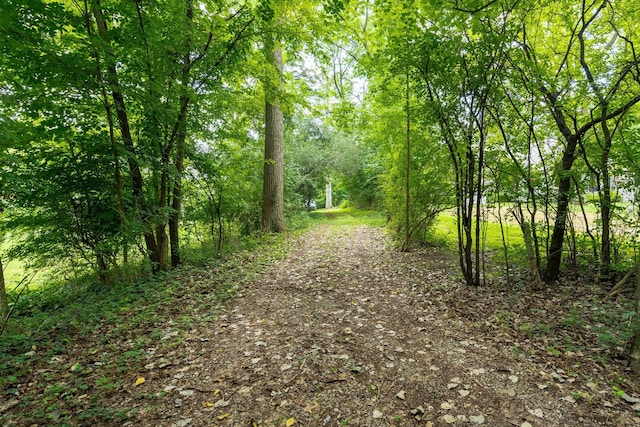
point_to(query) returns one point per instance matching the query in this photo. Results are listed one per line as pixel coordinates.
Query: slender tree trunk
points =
(562, 211)
(505, 247)
(605, 202)
(468, 214)
(594, 244)
(103, 269)
(127, 139)
(220, 220)
(176, 206)
(4, 303)
(407, 192)
(273, 183)
(181, 137)
(527, 235)
(117, 174)
(176, 203)
(478, 191)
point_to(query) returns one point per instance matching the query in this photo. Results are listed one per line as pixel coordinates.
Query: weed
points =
(553, 351)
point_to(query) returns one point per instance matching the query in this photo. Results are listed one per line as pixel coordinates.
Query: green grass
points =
(445, 232)
(348, 217)
(14, 270)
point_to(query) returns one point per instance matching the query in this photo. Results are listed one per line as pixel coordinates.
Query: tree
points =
(273, 187)
(125, 89)
(582, 92)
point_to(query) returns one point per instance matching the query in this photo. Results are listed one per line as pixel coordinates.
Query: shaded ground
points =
(347, 331)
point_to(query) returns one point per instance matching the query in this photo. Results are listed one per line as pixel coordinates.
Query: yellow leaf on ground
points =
(216, 391)
(208, 404)
(223, 416)
(290, 422)
(139, 381)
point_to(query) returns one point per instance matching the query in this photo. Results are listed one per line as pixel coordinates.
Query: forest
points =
(142, 140)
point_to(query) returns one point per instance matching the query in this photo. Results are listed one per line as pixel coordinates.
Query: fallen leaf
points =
(221, 403)
(449, 419)
(290, 422)
(401, 395)
(536, 413)
(419, 410)
(464, 393)
(629, 399)
(10, 404)
(223, 416)
(476, 419)
(208, 405)
(139, 381)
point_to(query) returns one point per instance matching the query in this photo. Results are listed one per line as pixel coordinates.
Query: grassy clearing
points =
(348, 217)
(445, 232)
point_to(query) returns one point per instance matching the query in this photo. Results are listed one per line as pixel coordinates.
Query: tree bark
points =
(273, 182)
(557, 237)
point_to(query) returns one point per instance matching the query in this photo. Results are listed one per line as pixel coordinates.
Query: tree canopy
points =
(129, 126)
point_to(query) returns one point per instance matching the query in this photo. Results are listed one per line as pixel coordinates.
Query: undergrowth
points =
(76, 340)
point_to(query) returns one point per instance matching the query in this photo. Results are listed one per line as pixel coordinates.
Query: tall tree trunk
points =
(4, 303)
(181, 137)
(273, 183)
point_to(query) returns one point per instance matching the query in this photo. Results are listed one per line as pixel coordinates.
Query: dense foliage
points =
(130, 127)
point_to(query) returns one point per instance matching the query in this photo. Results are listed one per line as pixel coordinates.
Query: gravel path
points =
(347, 331)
